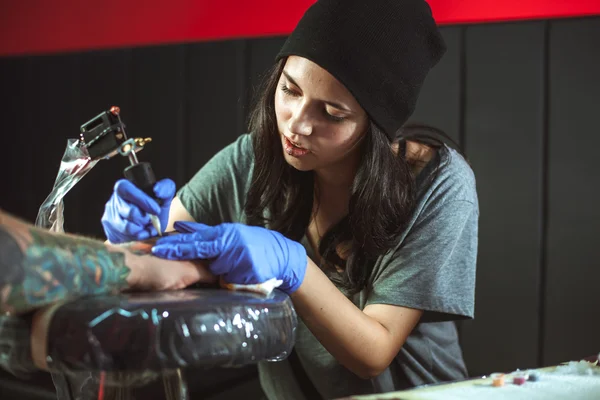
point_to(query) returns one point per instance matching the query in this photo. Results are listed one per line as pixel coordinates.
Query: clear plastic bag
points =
(75, 164)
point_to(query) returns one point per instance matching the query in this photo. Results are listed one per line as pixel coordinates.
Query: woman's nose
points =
(300, 123)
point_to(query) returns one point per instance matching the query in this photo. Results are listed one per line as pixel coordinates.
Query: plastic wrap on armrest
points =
(15, 346)
(167, 330)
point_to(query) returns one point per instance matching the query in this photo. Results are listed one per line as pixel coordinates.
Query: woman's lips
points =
(293, 150)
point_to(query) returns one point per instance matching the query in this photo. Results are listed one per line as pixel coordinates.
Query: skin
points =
(40, 324)
(315, 111)
(38, 268)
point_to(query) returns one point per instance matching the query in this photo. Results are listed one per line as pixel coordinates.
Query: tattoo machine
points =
(104, 137)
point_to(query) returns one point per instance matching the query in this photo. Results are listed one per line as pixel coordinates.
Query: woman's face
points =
(320, 122)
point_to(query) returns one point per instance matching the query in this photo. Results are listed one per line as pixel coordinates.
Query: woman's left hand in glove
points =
(240, 253)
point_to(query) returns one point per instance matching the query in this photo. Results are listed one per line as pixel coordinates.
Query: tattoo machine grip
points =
(142, 176)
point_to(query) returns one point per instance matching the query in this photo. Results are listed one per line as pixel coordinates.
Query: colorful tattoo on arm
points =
(38, 268)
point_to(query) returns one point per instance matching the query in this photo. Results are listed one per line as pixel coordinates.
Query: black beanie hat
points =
(381, 50)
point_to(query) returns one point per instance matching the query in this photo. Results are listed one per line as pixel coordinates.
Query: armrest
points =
(152, 332)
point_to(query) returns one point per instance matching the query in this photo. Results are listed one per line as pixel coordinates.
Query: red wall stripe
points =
(47, 26)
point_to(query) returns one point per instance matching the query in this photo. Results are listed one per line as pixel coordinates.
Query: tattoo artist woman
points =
(378, 257)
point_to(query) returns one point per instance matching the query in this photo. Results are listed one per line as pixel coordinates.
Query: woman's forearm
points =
(356, 340)
(364, 341)
(38, 267)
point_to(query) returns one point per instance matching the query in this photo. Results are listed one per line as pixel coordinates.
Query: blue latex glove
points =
(240, 253)
(126, 214)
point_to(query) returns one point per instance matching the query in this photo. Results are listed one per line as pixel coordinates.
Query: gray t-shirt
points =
(432, 268)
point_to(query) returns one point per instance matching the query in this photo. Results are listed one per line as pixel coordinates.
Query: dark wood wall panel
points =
(158, 108)
(440, 100)
(215, 99)
(504, 134)
(51, 80)
(572, 303)
(261, 55)
(16, 177)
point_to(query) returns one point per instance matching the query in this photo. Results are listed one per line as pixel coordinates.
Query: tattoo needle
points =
(156, 224)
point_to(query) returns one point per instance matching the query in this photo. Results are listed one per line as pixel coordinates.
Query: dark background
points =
(522, 98)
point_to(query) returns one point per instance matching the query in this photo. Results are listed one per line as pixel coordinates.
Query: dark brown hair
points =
(281, 197)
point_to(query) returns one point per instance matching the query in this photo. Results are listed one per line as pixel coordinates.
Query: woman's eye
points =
(288, 91)
(334, 118)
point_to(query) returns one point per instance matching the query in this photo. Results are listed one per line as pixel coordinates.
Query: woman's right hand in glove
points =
(127, 213)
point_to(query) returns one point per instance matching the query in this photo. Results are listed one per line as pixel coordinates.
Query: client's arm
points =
(38, 267)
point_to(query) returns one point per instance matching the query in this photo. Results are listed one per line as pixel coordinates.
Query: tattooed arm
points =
(38, 268)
